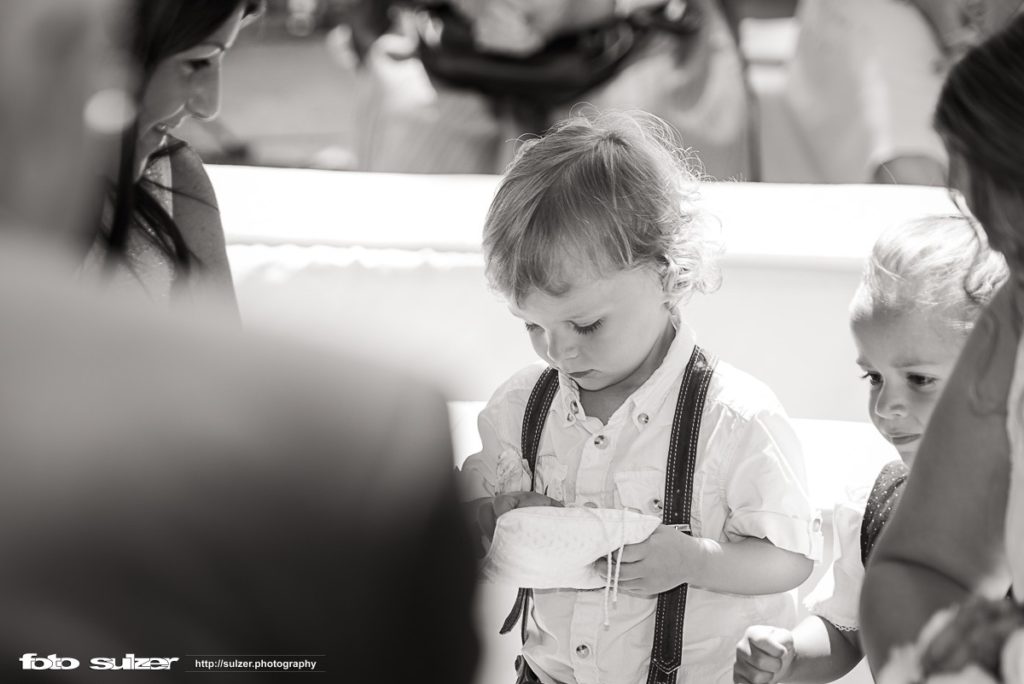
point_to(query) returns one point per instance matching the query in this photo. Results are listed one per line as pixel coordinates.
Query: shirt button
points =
(644, 418)
(590, 504)
(574, 406)
(570, 417)
(657, 504)
(583, 650)
(600, 441)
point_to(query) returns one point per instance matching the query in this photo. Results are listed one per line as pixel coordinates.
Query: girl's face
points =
(604, 331)
(184, 85)
(906, 356)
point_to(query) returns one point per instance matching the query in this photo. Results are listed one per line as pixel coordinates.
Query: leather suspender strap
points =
(666, 655)
(533, 427)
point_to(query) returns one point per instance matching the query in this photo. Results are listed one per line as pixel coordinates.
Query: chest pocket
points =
(640, 490)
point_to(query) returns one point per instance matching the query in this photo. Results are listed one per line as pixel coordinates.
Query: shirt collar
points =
(648, 399)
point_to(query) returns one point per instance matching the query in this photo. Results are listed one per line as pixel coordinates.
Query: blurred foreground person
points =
(172, 493)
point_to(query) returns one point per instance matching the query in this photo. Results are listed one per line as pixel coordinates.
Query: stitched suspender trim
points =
(666, 653)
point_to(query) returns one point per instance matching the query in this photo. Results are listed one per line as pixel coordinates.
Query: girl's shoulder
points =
(195, 203)
(189, 176)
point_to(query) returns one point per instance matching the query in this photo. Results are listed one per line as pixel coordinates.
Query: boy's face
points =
(602, 331)
(906, 358)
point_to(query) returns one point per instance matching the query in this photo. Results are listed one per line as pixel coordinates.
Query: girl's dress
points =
(749, 482)
(149, 272)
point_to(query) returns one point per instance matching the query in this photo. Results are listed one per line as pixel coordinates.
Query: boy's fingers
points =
(633, 553)
(764, 662)
(745, 673)
(768, 644)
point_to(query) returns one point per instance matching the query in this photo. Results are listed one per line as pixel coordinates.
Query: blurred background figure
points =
(865, 79)
(168, 489)
(451, 83)
(161, 234)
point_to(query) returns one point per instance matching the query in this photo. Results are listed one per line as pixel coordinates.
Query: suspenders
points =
(666, 653)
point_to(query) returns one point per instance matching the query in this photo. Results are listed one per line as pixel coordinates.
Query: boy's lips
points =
(580, 374)
(900, 440)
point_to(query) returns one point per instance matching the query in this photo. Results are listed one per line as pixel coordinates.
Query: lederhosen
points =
(666, 654)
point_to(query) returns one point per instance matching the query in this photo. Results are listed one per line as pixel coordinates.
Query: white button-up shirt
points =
(749, 482)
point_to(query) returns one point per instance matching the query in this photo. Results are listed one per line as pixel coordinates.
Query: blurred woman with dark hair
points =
(162, 233)
(959, 529)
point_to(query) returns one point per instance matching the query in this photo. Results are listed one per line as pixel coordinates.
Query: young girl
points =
(593, 240)
(923, 288)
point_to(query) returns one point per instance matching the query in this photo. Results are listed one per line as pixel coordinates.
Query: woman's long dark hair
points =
(980, 116)
(162, 28)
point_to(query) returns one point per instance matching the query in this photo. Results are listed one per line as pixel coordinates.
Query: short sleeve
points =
(766, 486)
(499, 466)
(836, 598)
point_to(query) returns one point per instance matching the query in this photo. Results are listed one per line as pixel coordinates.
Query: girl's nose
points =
(204, 98)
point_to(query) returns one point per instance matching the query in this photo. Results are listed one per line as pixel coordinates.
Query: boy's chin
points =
(908, 455)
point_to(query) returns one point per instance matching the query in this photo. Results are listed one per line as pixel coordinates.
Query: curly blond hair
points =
(596, 194)
(938, 263)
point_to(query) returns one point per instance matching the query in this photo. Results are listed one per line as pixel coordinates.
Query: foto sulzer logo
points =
(34, 661)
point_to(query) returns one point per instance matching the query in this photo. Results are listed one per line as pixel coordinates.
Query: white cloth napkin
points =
(550, 548)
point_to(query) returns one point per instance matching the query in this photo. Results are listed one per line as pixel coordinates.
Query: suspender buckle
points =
(682, 527)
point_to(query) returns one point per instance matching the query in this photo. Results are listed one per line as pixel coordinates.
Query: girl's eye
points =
(588, 329)
(921, 380)
(530, 327)
(875, 379)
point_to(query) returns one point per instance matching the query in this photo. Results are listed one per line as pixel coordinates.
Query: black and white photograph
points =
(512, 341)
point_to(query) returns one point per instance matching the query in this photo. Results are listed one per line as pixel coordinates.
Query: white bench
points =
(391, 264)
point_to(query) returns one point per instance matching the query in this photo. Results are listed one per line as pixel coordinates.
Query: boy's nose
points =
(890, 404)
(559, 350)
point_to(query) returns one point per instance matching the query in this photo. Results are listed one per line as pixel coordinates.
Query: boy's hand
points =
(491, 509)
(665, 560)
(763, 656)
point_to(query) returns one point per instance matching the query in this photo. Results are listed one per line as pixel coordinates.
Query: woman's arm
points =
(945, 539)
(198, 217)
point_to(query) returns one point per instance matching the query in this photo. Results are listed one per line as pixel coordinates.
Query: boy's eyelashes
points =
(921, 380)
(872, 377)
(580, 329)
(915, 379)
